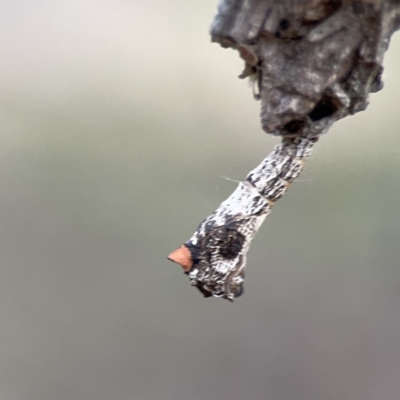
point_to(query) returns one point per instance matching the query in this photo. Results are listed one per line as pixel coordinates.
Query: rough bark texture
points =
(312, 62)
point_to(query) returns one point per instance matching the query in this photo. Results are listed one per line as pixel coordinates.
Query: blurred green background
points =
(120, 122)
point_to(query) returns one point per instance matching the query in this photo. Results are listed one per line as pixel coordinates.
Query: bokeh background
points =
(122, 127)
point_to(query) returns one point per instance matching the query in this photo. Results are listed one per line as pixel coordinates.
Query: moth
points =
(214, 258)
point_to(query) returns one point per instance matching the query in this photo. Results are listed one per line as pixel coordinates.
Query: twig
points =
(314, 62)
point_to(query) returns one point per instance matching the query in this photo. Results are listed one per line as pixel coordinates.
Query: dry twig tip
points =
(182, 257)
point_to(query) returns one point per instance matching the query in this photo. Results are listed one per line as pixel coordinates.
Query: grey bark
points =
(312, 62)
(317, 59)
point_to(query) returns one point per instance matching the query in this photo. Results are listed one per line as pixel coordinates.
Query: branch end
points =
(182, 257)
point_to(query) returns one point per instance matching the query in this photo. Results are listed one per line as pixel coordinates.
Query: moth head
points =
(216, 267)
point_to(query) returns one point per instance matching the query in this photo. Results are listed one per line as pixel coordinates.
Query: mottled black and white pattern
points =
(220, 244)
(313, 62)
